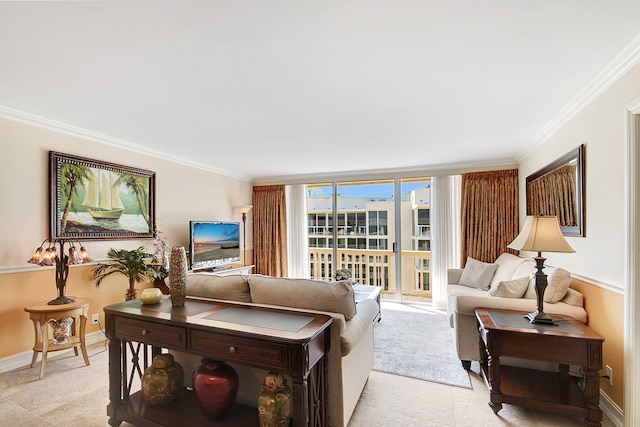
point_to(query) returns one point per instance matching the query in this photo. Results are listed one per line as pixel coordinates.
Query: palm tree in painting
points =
(139, 185)
(70, 177)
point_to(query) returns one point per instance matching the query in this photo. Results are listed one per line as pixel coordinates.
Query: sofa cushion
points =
(573, 297)
(337, 297)
(510, 288)
(207, 285)
(507, 264)
(477, 274)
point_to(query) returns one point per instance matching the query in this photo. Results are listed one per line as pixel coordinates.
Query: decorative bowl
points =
(151, 296)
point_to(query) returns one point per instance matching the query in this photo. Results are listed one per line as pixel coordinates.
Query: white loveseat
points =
(506, 284)
(351, 333)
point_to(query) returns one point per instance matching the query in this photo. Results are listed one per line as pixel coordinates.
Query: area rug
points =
(414, 340)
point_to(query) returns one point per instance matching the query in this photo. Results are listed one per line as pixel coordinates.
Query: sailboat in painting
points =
(102, 196)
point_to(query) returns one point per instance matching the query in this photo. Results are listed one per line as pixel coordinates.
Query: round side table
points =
(41, 312)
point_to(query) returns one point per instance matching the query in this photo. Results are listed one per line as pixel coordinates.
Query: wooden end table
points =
(41, 312)
(508, 333)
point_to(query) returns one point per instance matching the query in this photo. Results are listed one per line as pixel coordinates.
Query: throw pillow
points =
(558, 281)
(510, 288)
(477, 274)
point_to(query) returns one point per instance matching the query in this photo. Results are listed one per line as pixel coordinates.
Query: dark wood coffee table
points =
(508, 333)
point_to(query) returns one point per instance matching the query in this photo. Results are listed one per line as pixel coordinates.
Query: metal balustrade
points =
(376, 268)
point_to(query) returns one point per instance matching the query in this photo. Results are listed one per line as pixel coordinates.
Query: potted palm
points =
(136, 264)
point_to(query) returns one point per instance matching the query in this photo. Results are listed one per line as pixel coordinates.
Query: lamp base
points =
(539, 317)
(61, 300)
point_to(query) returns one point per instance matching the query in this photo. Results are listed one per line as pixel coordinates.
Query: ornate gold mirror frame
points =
(558, 189)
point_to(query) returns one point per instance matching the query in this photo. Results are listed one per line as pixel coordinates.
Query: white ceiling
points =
(261, 89)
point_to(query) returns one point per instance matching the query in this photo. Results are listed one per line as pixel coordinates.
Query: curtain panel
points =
(445, 233)
(270, 230)
(297, 231)
(489, 214)
(555, 194)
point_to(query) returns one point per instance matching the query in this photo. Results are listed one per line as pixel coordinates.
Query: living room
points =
(604, 116)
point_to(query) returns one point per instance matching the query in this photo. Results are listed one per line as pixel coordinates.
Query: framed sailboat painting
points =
(91, 199)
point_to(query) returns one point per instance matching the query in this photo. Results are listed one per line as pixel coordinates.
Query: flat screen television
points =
(213, 244)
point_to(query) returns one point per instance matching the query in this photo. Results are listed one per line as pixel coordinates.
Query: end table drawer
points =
(231, 349)
(151, 333)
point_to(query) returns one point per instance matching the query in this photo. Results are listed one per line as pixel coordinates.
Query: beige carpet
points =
(414, 340)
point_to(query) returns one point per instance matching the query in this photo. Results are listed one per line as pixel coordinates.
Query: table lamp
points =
(53, 256)
(540, 234)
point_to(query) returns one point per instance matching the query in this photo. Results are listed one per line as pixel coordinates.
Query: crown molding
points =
(621, 64)
(41, 122)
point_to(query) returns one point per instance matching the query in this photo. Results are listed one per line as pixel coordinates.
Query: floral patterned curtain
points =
(489, 214)
(555, 194)
(270, 230)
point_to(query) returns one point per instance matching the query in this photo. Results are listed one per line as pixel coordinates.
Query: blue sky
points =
(374, 190)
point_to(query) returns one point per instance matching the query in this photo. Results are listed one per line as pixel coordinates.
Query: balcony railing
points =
(376, 268)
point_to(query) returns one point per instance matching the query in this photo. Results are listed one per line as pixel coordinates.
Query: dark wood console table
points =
(289, 342)
(508, 333)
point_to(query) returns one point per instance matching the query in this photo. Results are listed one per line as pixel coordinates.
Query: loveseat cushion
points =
(477, 274)
(207, 285)
(507, 264)
(337, 297)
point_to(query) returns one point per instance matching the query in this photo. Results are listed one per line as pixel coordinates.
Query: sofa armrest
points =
(358, 325)
(453, 275)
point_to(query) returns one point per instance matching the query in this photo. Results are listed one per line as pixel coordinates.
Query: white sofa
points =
(350, 356)
(506, 284)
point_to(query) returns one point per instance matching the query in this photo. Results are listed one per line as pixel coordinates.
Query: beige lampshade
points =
(244, 208)
(541, 234)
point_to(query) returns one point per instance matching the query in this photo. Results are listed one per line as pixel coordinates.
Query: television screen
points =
(213, 243)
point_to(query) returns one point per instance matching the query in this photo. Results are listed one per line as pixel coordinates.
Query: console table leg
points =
(301, 403)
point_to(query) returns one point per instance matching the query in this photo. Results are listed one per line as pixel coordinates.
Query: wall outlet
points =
(95, 318)
(609, 373)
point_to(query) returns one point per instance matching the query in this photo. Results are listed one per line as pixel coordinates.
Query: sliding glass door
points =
(371, 229)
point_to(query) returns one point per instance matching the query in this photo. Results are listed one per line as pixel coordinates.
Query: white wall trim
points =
(632, 279)
(22, 360)
(607, 286)
(611, 410)
(622, 63)
(41, 122)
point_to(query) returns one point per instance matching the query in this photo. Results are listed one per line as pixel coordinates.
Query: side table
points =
(508, 333)
(41, 312)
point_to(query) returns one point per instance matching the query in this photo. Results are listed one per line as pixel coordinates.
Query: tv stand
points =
(226, 270)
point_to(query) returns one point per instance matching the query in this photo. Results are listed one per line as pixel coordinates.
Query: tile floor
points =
(74, 395)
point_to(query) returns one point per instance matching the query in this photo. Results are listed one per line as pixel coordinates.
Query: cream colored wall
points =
(183, 193)
(599, 257)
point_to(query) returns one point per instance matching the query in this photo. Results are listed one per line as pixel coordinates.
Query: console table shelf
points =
(182, 412)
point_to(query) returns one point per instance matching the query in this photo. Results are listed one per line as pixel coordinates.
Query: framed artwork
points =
(93, 200)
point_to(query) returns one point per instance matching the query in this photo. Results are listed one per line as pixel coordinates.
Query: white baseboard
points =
(21, 360)
(611, 410)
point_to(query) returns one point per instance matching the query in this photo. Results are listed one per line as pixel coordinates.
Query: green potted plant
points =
(136, 264)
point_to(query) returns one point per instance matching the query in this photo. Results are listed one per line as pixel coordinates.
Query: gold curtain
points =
(489, 214)
(555, 194)
(270, 230)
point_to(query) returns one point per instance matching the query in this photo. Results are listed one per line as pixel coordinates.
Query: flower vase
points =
(178, 276)
(274, 401)
(215, 385)
(163, 381)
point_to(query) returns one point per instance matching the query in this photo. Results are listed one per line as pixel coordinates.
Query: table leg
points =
(83, 342)
(494, 383)
(44, 333)
(300, 402)
(115, 381)
(36, 333)
(73, 333)
(592, 397)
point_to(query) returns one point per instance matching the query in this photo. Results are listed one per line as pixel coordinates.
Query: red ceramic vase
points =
(215, 385)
